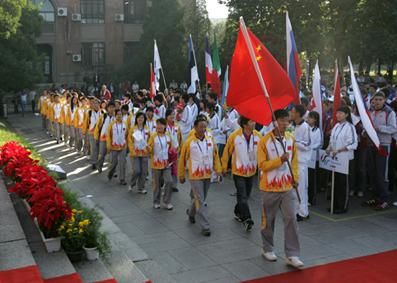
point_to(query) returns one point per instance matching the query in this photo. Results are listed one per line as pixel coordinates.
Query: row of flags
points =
(258, 84)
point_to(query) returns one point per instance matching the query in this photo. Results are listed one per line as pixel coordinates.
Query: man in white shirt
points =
(302, 138)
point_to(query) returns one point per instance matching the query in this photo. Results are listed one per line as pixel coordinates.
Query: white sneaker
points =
(130, 188)
(360, 194)
(351, 193)
(168, 206)
(143, 191)
(395, 203)
(156, 206)
(294, 261)
(270, 256)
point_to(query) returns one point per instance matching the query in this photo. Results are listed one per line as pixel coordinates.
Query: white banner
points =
(338, 163)
(313, 160)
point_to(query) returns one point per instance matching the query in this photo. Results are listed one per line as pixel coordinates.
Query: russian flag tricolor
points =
(293, 64)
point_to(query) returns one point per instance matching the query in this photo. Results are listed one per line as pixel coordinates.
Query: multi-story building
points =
(82, 39)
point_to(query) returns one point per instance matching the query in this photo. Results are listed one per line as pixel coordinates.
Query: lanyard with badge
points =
(276, 148)
(250, 148)
(163, 155)
(204, 155)
(119, 133)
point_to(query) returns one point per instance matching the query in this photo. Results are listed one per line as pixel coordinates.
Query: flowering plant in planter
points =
(13, 156)
(94, 238)
(73, 231)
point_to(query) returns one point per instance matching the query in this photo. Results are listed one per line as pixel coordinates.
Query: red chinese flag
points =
(245, 93)
(152, 83)
(336, 95)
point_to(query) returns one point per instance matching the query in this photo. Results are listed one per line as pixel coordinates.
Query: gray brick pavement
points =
(230, 254)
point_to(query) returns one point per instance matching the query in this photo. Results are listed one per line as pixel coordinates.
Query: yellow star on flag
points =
(258, 58)
(258, 48)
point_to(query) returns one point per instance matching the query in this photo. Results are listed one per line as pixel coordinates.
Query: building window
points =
(92, 11)
(46, 10)
(134, 10)
(93, 54)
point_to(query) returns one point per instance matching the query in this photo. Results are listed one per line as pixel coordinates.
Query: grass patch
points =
(7, 134)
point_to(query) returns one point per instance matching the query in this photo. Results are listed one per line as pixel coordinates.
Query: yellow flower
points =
(80, 211)
(74, 210)
(81, 231)
(69, 231)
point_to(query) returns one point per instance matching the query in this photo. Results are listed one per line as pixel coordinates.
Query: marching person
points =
(160, 144)
(57, 110)
(242, 146)
(176, 136)
(202, 156)
(277, 186)
(78, 124)
(343, 140)
(116, 144)
(72, 113)
(384, 120)
(66, 118)
(138, 137)
(159, 110)
(150, 120)
(100, 133)
(93, 117)
(302, 138)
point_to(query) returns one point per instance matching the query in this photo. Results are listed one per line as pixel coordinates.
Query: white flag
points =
(317, 104)
(157, 65)
(365, 118)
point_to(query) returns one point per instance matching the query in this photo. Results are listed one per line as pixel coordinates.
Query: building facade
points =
(87, 39)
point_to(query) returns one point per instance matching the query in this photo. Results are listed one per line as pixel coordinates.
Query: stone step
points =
(14, 249)
(51, 265)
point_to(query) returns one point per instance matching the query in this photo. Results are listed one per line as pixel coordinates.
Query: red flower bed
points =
(33, 183)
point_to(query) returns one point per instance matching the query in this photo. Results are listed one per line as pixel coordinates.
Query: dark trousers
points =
(341, 191)
(312, 186)
(244, 187)
(361, 156)
(378, 171)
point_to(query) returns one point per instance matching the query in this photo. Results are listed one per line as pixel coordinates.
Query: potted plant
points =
(96, 242)
(73, 235)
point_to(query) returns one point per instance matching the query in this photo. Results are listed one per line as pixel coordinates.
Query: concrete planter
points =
(52, 245)
(91, 253)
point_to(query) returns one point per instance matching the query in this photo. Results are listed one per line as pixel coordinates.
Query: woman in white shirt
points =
(313, 120)
(343, 141)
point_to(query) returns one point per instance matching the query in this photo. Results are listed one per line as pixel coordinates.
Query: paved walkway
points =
(230, 254)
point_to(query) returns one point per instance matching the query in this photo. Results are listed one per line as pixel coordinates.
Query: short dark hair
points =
(243, 121)
(162, 121)
(127, 95)
(168, 112)
(125, 107)
(380, 93)
(116, 111)
(111, 103)
(213, 95)
(300, 109)
(200, 118)
(159, 98)
(316, 116)
(281, 113)
(149, 108)
(305, 101)
(139, 114)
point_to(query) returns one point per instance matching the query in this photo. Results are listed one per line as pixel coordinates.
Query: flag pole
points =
(162, 73)
(195, 63)
(263, 86)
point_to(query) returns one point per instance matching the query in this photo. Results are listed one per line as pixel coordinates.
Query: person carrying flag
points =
(277, 184)
(384, 120)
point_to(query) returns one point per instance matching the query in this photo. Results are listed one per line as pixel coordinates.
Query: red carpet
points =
(377, 268)
(29, 274)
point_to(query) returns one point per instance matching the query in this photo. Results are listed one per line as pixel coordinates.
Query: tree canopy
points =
(20, 62)
(323, 29)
